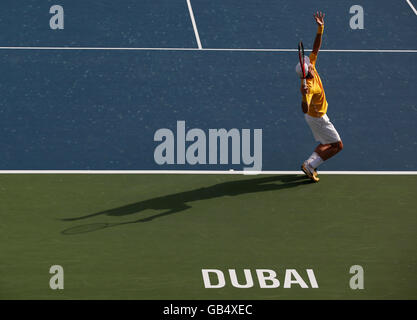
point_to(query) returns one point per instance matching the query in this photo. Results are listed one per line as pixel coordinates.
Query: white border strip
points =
(211, 49)
(412, 7)
(197, 36)
(201, 172)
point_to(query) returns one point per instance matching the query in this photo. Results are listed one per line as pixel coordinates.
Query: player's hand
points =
(304, 90)
(319, 17)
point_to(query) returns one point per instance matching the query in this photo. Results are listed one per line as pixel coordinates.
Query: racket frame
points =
(302, 61)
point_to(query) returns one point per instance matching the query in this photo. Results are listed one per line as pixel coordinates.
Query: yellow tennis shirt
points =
(316, 98)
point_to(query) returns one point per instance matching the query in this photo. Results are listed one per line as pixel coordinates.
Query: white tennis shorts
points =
(323, 130)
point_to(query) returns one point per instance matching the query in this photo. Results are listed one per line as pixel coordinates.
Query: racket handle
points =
(304, 82)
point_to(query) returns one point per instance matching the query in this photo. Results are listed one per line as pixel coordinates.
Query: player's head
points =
(307, 67)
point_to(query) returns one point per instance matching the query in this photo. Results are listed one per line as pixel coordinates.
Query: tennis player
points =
(314, 106)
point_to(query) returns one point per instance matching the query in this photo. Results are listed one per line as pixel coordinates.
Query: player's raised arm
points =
(319, 17)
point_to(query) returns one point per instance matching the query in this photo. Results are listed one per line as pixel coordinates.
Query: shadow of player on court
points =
(178, 202)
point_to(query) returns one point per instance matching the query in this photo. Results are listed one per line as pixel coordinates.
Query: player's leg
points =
(315, 159)
(321, 148)
(317, 156)
(314, 124)
(330, 144)
(322, 153)
(326, 151)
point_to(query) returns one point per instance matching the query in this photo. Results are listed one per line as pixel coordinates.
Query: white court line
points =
(197, 36)
(210, 49)
(412, 7)
(229, 172)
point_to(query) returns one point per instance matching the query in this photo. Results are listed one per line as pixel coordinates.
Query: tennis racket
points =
(301, 58)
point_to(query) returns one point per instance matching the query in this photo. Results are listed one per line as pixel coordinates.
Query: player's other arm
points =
(319, 17)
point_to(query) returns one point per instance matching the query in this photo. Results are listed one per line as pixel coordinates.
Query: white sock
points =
(313, 156)
(316, 162)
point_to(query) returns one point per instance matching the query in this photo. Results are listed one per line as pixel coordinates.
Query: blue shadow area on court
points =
(100, 109)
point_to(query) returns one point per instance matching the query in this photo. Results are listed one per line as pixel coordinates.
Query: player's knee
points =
(338, 145)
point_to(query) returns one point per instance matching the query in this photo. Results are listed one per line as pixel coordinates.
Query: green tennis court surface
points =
(149, 236)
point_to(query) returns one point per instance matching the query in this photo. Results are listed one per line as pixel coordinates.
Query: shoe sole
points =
(311, 176)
